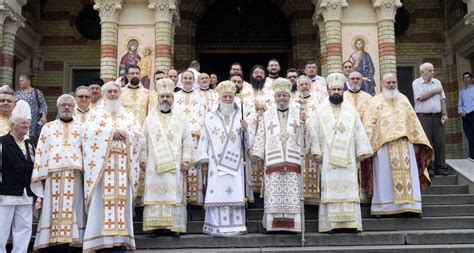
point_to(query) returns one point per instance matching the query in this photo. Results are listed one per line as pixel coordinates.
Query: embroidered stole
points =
(114, 185)
(281, 147)
(227, 159)
(339, 132)
(62, 206)
(162, 142)
(399, 156)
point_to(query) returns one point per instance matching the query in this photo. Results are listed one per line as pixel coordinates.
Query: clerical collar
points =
(353, 91)
(131, 86)
(284, 110)
(66, 120)
(204, 89)
(307, 96)
(165, 112)
(187, 91)
(83, 111)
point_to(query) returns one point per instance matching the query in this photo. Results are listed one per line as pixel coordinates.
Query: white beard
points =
(112, 106)
(226, 109)
(390, 94)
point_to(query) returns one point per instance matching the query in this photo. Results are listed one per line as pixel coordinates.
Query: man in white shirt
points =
(430, 106)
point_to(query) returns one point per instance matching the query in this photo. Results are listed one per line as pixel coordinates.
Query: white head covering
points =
(22, 108)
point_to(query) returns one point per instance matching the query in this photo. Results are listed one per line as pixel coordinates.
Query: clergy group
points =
(295, 141)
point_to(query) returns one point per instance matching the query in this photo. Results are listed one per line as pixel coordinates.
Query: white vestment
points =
(168, 144)
(111, 172)
(193, 107)
(277, 142)
(221, 147)
(58, 165)
(338, 136)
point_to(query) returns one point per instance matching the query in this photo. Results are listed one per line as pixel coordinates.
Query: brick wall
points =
(425, 41)
(61, 44)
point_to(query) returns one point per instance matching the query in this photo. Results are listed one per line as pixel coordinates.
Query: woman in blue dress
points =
(39, 109)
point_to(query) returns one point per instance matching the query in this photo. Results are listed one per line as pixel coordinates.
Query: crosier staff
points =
(243, 130)
(302, 162)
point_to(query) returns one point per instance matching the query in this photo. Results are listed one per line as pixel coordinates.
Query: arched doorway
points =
(247, 31)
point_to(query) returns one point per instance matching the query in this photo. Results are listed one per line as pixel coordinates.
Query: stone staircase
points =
(447, 225)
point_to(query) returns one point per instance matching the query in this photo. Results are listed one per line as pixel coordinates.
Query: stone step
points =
(311, 212)
(447, 189)
(444, 180)
(458, 236)
(457, 248)
(448, 199)
(369, 224)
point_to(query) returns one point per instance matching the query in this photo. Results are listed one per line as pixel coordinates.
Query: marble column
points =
(109, 11)
(385, 11)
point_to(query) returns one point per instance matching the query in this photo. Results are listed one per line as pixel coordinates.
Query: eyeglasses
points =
(83, 97)
(355, 78)
(66, 105)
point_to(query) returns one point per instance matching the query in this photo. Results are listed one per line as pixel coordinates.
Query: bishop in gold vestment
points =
(112, 143)
(57, 180)
(402, 152)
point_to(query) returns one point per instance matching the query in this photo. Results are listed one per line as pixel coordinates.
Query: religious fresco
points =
(136, 46)
(360, 46)
(363, 62)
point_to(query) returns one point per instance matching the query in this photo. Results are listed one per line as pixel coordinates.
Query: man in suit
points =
(16, 198)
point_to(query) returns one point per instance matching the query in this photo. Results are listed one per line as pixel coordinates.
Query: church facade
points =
(65, 43)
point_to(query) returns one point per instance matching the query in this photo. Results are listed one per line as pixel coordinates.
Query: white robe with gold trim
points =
(168, 144)
(338, 135)
(111, 172)
(57, 179)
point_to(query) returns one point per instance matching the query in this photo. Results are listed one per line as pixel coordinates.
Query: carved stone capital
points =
(386, 9)
(470, 12)
(165, 10)
(109, 10)
(331, 9)
(12, 21)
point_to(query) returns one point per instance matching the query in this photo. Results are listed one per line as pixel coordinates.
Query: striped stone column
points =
(165, 13)
(11, 25)
(322, 40)
(109, 11)
(331, 10)
(386, 10)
